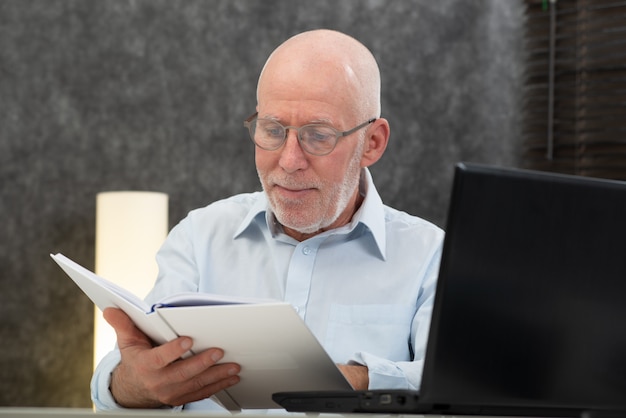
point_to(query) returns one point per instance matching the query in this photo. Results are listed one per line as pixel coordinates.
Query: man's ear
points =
(375, 142)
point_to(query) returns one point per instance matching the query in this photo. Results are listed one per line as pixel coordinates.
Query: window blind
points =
(575, 87)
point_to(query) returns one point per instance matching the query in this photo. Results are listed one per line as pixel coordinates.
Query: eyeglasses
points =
(314, 138)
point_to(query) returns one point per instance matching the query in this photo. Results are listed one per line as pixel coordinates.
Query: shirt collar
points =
(371, 214)
(259, 208)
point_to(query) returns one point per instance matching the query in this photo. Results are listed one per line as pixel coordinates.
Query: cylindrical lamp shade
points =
(130, 228)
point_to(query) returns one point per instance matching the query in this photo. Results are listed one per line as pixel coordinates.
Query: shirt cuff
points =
(386, 374)
(101, 380)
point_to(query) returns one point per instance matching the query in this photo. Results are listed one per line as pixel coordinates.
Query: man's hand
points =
(152, 377)
(355, 374)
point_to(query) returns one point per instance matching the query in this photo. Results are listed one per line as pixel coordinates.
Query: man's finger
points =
(128, 336)
(127, 333)
(118, 319)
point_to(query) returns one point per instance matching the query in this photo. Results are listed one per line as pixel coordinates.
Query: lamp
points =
(130, 228)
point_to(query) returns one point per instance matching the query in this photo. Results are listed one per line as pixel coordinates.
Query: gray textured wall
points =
(151, 94)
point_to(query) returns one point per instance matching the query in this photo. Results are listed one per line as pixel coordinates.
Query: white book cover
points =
(276, 350)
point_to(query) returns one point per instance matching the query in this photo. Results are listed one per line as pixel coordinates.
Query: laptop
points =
(530, 312)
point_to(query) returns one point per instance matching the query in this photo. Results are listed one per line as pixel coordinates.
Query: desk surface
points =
(30, 412)
(88, 413)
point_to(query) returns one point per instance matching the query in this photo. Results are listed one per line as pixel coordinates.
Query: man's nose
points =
(292, 156)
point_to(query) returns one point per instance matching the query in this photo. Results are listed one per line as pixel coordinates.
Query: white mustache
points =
(291, 183)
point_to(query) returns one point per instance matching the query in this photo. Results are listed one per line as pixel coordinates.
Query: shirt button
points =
(307, 250)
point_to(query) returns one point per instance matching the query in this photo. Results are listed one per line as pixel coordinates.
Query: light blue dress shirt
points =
(365, 290)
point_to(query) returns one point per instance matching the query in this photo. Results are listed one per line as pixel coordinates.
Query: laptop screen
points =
(530, 308)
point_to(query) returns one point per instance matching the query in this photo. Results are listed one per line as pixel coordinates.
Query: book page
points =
(207, 299)
(83, 276)
(105, 294)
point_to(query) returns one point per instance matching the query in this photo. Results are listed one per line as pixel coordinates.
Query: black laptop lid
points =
(530, 308)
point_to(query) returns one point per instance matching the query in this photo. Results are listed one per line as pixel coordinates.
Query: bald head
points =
(329, 62)
(320, 77)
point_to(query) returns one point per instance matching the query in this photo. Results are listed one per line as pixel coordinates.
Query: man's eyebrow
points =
(271, 117)
(322, 120)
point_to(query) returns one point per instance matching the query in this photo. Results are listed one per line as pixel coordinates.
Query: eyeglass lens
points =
(315, 139)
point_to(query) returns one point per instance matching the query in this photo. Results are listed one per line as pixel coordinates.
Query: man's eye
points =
(273, 131)
(318, 135)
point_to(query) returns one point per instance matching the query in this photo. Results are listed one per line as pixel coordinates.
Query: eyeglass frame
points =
(338, 134)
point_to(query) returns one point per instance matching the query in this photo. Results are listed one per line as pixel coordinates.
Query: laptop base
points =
(384, 401)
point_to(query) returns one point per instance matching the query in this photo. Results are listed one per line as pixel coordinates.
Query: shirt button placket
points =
(299, 277)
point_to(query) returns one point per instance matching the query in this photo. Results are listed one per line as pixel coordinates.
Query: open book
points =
(276, 350)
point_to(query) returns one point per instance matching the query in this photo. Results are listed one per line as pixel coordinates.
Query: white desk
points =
(89, 413)
(30, 412)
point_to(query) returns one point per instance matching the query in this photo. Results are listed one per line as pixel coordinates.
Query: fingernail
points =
(216, 356)
(233, 371)
(186, 343)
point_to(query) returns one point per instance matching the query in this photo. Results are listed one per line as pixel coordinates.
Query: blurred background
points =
(151, 95)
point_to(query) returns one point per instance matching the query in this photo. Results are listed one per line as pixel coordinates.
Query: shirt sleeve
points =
(387, 374)
(101, 380)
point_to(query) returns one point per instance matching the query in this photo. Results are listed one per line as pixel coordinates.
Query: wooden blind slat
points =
(575, 87)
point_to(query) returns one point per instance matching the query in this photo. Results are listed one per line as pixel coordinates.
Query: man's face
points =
(309, 193)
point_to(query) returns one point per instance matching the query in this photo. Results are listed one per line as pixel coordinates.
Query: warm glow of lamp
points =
(130, 228)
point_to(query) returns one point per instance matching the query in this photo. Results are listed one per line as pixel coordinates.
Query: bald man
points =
(361, 275)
